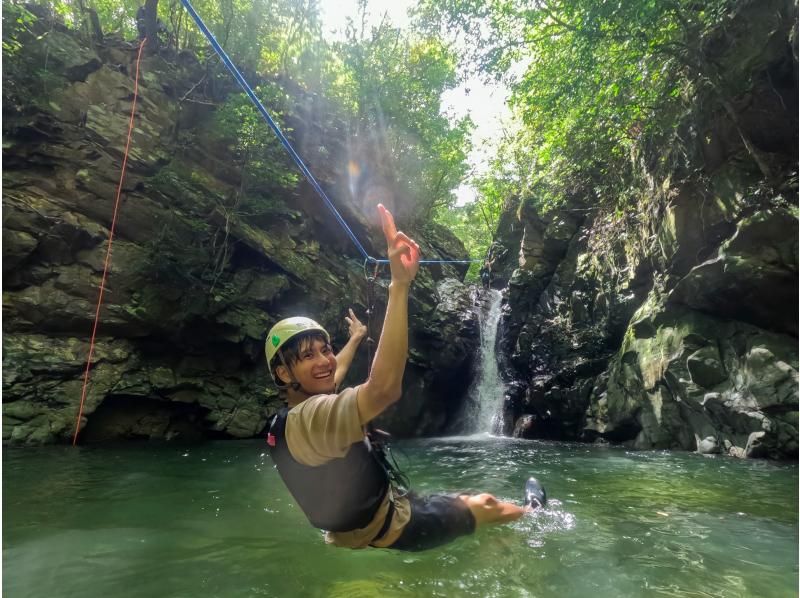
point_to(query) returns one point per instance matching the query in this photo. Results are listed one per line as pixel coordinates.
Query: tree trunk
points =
(97, 30)
(151, 25)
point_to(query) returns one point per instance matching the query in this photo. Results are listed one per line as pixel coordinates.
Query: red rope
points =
(108, 249)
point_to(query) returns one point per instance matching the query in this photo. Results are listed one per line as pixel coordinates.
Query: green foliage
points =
(16, 20)
(476, 223)
(117, 16)
(392, 83)
(383, 84)
(600, 80)
(261, 154)
(468, 224)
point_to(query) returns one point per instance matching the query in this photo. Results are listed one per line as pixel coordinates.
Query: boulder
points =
(761, 256)
(658, 389)
(707, 446)
(524, 427)
(705, 367)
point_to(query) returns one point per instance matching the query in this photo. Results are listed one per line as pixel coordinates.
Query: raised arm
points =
(345, 357)
(385, 383)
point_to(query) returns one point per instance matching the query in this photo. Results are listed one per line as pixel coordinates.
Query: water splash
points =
(545, 522)
(486, 394)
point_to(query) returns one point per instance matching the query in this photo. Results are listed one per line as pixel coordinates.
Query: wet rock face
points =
(754, 276)
(199, 272)
(562, 322)
(675, 327)
(443, 350)
(699, 377)
(625, 358)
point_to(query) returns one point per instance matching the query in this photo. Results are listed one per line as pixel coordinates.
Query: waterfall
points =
(485, 402)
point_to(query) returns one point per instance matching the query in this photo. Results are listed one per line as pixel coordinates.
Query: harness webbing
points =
(288, 146)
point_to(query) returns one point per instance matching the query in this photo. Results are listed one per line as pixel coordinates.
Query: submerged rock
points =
(707, 446)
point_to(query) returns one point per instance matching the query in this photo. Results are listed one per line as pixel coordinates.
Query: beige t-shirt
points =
(324, 427)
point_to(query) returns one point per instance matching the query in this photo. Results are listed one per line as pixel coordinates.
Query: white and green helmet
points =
(287, 329)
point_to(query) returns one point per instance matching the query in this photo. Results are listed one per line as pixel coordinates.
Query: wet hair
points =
(294, 347)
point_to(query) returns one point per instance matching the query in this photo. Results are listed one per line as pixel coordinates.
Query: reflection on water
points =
(215, 520)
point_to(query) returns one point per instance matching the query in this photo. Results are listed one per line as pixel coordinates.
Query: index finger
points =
(387, 220)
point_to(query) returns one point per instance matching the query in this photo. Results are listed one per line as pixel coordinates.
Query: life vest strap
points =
(386, 522)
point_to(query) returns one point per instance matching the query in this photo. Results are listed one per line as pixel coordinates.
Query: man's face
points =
(314, 368)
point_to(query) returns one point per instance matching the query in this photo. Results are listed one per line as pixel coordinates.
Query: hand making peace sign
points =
(403, 251)
(356, 329)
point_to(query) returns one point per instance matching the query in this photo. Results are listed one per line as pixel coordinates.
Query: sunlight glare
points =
(486, 104)
(334, 14)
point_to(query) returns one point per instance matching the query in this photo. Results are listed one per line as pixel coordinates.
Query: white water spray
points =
(486, 393)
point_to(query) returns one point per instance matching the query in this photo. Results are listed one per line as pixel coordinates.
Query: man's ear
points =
(282, 372)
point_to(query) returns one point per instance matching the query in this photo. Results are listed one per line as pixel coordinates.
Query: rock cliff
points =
(203, 261)
(674, 326)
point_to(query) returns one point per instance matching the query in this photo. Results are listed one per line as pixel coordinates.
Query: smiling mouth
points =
(323, 375)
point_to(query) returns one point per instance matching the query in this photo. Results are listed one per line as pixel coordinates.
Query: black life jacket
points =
(338, 496)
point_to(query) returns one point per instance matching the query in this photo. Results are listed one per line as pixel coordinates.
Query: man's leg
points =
(440, 518)
(487, 509)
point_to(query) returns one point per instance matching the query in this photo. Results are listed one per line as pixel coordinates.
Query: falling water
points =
(486, 394)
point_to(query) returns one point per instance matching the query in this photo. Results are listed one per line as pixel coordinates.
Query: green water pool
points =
(161, 520)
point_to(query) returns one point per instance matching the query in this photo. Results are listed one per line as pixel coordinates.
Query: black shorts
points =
(436, 519)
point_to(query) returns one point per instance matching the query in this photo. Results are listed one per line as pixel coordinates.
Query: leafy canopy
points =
(597, 77)
(385, 83)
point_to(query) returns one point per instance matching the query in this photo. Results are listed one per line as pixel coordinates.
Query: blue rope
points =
(285, 142)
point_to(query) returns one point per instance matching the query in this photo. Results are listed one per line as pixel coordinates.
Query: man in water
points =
(486, 270)
(338, 475)
(486, 274)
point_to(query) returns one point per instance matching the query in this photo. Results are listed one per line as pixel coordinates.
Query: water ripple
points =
(215, 520)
